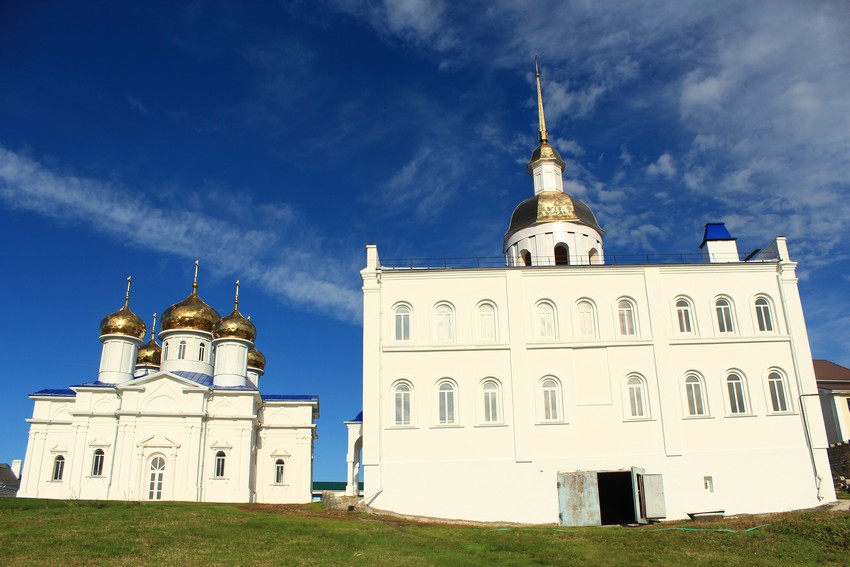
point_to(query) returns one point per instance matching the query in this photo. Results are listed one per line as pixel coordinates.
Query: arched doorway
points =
(562, 255)
(526, 257)
(156, 480)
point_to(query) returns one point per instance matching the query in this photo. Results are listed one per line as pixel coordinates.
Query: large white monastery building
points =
(561, 388)
(181, 421)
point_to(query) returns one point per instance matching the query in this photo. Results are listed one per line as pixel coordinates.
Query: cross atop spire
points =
(127, 295)
(195, 282)
(543, 135)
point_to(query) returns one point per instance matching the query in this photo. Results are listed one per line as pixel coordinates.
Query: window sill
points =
(485, 425)
(278, 484)
(446, 426)
(60, 481)
(219, 478)
(637, 419)
(697, 417)
(401, 427)
(781, 413)
(552, 423)
(95, 476)
(737, 415)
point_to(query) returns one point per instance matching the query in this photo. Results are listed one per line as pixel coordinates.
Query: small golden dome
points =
(256, 359)
(150, 354)
(191, 313)
(123, 321)
(235, 326)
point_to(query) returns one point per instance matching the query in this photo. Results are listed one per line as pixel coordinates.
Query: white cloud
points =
(229, 247)
(663, 167)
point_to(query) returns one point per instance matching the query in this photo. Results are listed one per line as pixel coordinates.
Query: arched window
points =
(593, 256)
(219, 464)
(402, 397)
(765, 321)
(724, 316)
(637, 397)
(626, 317)
(778, 392)
(526, 257)
(486, 323)
(165, 351)
(551, 399)
(202, 348)
(545, 321)
(735, 388)
(562, 255)
(490, 391)
(586, 320)
(278, 471)
(97, 463)
(402, 323)
(446, 410)
(445, 323)
(181, 350)
(683, 315)
(58, 467)
(156, 478)
(695, 394)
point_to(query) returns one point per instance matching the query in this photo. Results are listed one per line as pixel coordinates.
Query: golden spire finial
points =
(236, 299)
(153, 328)
(543, 135)
(195, 281)
(127, 295)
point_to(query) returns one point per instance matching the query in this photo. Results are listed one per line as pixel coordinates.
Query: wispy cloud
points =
(663, 167)
(230, 248)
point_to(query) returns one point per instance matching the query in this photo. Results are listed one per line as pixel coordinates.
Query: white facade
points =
(588, 393)
(173, 432)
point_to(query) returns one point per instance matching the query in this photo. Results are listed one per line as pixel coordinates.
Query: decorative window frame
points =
(436, 323)
(632, 305)
(594, 319)
(787, 390)
(225, 449)
(392, 405)
(482, 402)
(536, 320)
(772, 320)
(732, 316)
(393, 312)
(627, 398)
(745, 394)
(561, 412)
(455, 403)
(692, 317)
(703, 385)
(476, 322)
(283, 456)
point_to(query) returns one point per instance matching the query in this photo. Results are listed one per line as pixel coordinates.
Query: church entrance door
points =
(156, 478)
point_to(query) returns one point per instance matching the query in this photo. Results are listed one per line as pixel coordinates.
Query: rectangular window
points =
(736, 396)
(97, 463)
(447, 404)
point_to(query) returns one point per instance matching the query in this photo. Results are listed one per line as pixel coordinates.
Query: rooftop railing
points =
(549, 261)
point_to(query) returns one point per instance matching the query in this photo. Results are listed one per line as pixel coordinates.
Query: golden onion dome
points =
(123, 321)
(235, 326)
(191, 313)
(150, 353)
(552, 206)
(256, 359)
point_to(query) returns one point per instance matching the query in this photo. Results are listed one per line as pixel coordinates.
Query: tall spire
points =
(543, 135)
(127, 295)
(153, 328)
(195, 281)
(236, 299)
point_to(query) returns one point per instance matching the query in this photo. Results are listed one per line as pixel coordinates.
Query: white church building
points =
(559, 387)
(182, 421)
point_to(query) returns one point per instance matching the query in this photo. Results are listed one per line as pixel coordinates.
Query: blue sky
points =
(272, 141)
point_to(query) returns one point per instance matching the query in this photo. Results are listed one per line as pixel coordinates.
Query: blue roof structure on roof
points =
(716, 231)
(207, 380)
(52, 392)
(95, 384)
(359, 417)
(290, 397)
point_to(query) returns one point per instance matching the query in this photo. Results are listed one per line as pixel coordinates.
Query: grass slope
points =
(42, 532)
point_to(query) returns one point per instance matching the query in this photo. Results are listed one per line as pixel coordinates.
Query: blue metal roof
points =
(359, 417)
(207, 380)
(95, 384)
(63, 392)
(715, 231)
(290, 397)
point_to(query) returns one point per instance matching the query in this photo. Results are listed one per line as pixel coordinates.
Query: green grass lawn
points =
(44, 532)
